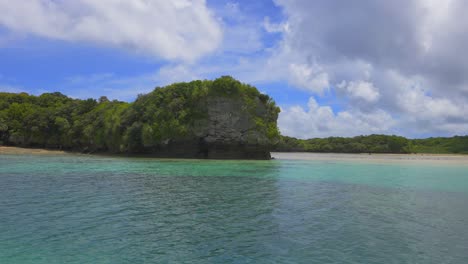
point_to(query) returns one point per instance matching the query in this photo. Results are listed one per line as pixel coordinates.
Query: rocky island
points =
(219, 119)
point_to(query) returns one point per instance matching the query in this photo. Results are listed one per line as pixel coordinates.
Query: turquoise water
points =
(89, 209)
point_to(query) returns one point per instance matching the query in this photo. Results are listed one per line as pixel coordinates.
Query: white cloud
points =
(361, 90)
(377, 58)
(390, 68)
(310, 77)
(274, 27)
(179, 29)
(321, 121)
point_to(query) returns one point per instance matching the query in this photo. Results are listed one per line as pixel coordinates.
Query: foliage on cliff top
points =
(172, 110)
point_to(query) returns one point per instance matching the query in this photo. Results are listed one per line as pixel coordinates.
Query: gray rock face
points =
(227, 122)
(228, 132)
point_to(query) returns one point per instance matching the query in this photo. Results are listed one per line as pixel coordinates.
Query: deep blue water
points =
(89, 209)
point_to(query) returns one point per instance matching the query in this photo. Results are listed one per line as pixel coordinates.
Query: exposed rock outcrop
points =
(229, 121)
(230, 131)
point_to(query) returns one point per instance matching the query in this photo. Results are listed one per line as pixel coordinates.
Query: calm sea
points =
(91, 209)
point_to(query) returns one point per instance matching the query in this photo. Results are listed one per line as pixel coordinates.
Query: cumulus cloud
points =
(321, 121)
(310, 77)
(360, 90)
(179, 29)
(390, 66)
(397, 57)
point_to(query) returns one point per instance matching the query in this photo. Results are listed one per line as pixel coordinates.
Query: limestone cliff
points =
(229, 131)
(228, 120)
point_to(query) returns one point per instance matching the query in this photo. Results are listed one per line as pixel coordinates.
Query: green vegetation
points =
(171, 113)
(456, 144)
(176, 113)
(376, 144)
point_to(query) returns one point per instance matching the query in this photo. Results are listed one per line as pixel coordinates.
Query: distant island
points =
(218, 119)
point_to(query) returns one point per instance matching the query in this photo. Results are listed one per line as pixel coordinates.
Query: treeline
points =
(53, 120)
(375, 144)
(443, 145)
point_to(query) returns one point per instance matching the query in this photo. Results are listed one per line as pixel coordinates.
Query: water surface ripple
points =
(88, 209)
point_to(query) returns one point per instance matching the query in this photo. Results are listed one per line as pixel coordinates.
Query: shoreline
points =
(359, 157)
(30, 151)
(455, 159)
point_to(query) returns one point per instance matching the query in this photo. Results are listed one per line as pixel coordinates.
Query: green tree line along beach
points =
(223, 118)
(376, 144)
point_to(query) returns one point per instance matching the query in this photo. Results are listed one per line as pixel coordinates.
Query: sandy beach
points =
(23, 151)
(377, 158)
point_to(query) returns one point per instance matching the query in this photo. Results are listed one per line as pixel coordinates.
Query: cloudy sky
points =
(336, 68)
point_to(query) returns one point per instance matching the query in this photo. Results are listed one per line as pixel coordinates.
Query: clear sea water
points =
(91, 209)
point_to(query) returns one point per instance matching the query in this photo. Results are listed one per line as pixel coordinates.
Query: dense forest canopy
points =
(375, 144)
(174, 112)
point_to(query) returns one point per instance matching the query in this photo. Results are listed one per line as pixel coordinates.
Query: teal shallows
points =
(90, 209)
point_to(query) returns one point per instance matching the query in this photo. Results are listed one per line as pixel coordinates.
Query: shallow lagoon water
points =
(94, 209)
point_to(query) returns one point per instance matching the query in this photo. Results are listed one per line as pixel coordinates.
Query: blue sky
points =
(335, 69)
